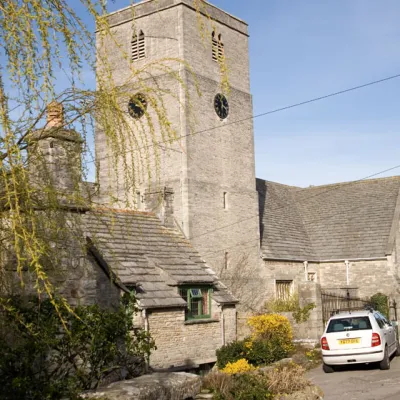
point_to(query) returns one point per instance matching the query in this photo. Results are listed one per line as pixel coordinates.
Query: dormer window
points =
(138, 46)
(198, 301)
(217, 47)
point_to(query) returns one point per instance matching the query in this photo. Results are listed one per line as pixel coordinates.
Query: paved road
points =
(359, 382)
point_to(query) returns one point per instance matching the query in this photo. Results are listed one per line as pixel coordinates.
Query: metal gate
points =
(346, 299)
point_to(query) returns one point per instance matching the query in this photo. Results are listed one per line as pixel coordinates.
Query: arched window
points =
(138, 46)
(217, 47)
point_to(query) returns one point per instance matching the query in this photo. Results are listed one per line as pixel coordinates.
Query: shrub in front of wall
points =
(238, 367)
(264, 352)
(246, 386)
(291, 303)
(287, 379)
(380, 302)
(49, 354)
(219, 383)
(275, 328)
(231, 353)
(250, 387)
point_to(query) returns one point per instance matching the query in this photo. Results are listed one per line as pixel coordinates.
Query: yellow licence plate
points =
(349, 341)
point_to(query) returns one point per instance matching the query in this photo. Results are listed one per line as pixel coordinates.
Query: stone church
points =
(292, 239)
(205, 237)
(337, 236)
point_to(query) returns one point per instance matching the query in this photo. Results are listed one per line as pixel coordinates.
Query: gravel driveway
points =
(359, 382)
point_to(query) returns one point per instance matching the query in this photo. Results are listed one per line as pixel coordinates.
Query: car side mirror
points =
(394, 323)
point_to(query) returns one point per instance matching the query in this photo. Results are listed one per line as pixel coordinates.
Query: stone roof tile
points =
(142, 252)
(344, 220)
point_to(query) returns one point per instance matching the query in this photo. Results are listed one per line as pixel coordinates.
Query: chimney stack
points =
(55, 115)
(161, 202)
(54, 153)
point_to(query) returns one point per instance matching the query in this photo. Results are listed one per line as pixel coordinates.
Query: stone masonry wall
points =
(77, 277)
(230, 325)
(283, 271)
(370, 276)
(221, 157)
(179, 342)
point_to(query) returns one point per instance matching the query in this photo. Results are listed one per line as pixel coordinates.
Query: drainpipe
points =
(347, 271)
(222, 326)
(146, 329)
(306, 270)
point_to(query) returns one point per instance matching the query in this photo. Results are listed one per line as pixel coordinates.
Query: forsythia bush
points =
(270, 341)
(272, 327)
(238, 367)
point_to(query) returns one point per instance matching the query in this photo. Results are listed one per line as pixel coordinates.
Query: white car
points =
(355, 337)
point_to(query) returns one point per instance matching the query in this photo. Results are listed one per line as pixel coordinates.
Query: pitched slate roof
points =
(340, 221)
(282, 230)
(145, 254)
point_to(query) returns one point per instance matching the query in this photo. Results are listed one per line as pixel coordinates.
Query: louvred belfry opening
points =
(138, 47)
(217, 47)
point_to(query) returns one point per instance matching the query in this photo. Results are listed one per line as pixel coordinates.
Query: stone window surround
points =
(283, 289)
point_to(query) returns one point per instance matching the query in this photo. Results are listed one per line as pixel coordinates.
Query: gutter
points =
(324, 261)
(222, 327)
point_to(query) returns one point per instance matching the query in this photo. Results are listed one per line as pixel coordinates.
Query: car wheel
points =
(385, 363)
(328, 369)
(397, 353)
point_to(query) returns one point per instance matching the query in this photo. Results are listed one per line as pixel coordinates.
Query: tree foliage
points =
(43, 42)
(39, 360)
(380, 302)
(47, 54)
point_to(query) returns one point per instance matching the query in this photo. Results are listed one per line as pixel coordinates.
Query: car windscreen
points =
(349, 324)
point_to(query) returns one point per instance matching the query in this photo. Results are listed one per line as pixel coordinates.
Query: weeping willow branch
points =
(41, 43)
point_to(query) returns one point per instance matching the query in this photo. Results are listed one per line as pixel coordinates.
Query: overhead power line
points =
(315, 99)
(328, 95)
(289, 205)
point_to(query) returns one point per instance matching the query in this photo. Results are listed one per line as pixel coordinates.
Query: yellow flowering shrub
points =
(248, 344)
(272, 327)
(238, 367)
(270, 341)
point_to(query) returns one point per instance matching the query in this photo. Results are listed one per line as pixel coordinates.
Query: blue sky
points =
(305, 49)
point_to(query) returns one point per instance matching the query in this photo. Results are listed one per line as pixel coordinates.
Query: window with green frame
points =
(198, 301)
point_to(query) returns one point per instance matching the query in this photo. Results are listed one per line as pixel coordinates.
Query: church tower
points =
(210, 165)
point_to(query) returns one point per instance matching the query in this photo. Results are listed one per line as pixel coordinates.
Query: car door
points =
(391, 333)
(387, 331)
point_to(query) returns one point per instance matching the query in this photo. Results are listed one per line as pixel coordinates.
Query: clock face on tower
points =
(221, 106)
(137, 105)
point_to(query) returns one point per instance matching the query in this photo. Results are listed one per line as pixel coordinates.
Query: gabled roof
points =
(340, 221)
(282, 230)
(145, 254)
